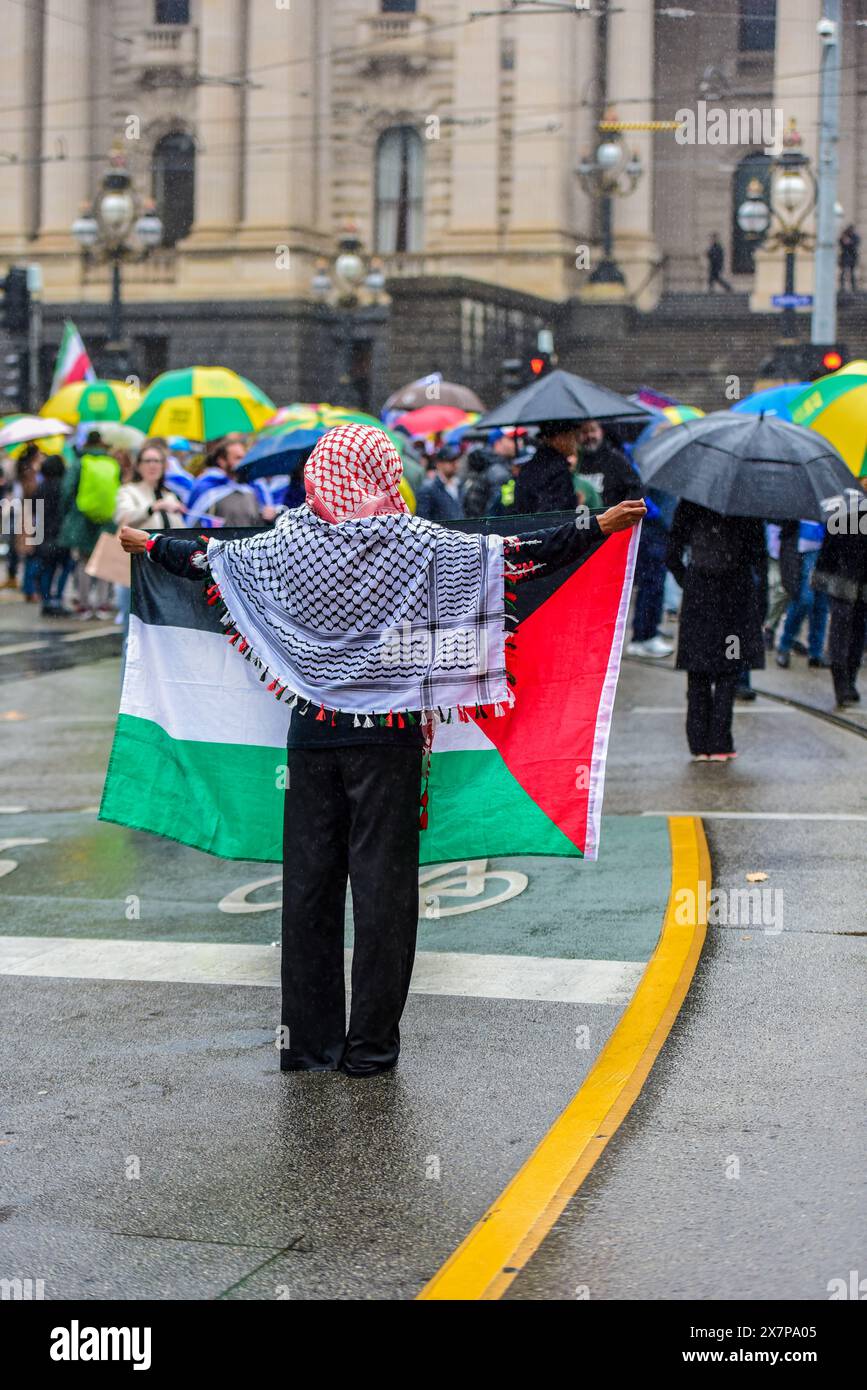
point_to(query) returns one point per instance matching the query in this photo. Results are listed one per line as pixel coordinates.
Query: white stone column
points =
(555, 60)
(630, 92)
(219, 122)
(796, 96)
(66, 130)
(475, 148)
(18, 115)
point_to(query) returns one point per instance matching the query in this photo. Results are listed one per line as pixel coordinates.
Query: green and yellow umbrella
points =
(202, 403)
(307, 416)
(836, 406)
(92, 400)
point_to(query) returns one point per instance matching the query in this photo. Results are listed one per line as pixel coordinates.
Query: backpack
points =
(98, 485)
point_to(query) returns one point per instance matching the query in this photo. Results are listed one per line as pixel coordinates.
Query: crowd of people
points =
(58, 559)
(726, 590)
(735, 589)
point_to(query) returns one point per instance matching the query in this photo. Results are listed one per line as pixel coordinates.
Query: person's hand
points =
(134, 542)
(622, 517)
(269, 513)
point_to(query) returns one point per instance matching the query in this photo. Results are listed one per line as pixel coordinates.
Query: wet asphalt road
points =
(736, 1175)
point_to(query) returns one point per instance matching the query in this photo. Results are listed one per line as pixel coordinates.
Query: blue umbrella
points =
(774, 400)
(280, 453)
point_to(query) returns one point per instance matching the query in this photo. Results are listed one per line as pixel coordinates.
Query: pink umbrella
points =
(430, 419)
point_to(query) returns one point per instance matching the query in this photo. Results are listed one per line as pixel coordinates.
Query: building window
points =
(751, 177)
(172, 12)
(398, 6)
(399, 190)
(174, 185)
(758, 26)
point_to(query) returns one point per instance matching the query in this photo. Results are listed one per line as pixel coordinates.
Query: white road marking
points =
(102, 631)
(23, 647)
(763, 815)
(12, 810)
(436, 972)
(739, 709)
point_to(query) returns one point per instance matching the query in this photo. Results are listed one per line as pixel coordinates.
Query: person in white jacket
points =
(145, 501)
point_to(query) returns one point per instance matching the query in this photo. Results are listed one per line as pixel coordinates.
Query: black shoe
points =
(745, 692)
(799, 648)
(784, 660)
(370, 1071)
(818, 663)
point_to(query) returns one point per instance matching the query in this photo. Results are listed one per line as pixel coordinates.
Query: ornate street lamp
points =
(607, 174)
(115, 228)
(342, 281)
(352, 286)
(778, 221)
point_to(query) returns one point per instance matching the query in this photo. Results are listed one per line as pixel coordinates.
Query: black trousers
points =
(846, 643)
(350, 813)
(709, 707)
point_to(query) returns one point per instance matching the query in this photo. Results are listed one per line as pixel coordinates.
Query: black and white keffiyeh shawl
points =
(374, 616)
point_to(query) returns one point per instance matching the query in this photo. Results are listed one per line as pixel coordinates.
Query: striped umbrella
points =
(308, 416)
(836, 407)
(773, 400)
(666, 417)
(202, 403)
(92, 400)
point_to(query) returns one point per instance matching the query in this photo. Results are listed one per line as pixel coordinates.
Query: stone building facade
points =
(449, 137)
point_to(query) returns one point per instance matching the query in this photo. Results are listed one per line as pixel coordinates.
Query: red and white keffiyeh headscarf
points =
(354, 471)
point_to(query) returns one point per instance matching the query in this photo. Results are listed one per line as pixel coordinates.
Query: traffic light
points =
(540, 364)
(512, 373)
(13, 383)
(16, 301)
(819, 359)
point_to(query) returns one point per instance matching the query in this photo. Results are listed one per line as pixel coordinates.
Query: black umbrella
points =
(562, 396)
(746, 465)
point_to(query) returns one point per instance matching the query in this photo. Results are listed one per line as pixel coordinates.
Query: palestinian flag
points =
(199, 749)
(73, 363)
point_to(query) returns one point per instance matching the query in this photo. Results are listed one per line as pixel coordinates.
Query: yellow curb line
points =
(501, 1243)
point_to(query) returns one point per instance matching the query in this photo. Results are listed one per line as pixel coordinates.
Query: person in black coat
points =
(544, 483)
(439, 497)
(55, 562)
(841, 573)
(720, 635)
(606, 466)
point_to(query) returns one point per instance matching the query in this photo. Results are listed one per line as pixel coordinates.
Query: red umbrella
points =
(430, 419)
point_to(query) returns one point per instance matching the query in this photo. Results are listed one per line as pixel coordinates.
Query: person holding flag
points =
(321, 604)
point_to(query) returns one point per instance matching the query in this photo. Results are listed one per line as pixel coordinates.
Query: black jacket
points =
(549, 549)
(841, 569)
(545, 484)
(435, 502)
(610, 471)
(724, 590)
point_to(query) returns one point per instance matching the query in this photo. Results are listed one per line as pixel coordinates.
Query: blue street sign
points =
(792, 301)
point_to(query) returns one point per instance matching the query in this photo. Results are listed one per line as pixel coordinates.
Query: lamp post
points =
(607, 174)
(115, 228)
(350, 285)
(779, 221)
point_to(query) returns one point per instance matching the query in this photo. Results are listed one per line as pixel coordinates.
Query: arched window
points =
(399, 190)
(752, 167)
(172, 12)
(174, 185)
